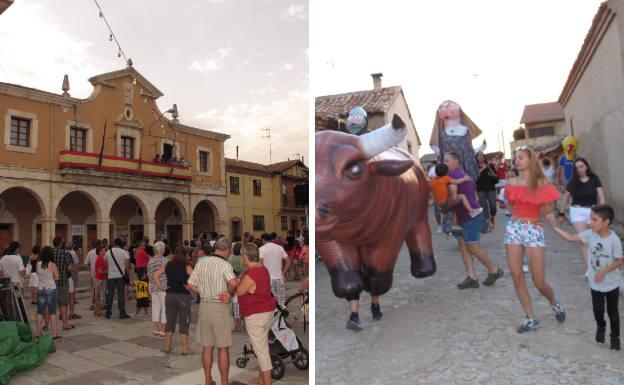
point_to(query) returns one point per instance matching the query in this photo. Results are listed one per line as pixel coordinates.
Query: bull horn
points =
(384, 138)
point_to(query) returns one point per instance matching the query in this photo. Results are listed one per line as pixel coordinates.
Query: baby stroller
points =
(283, 344)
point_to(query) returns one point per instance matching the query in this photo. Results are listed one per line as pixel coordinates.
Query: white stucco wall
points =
(400, 108)
(596, 112)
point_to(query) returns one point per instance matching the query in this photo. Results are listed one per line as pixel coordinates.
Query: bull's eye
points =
(355, 170)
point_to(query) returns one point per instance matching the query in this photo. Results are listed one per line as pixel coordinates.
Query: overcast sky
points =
(232, 66)
(492, 57)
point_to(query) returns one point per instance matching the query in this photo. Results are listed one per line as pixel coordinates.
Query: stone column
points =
(48, 232)
(149, 229)
(187, 230)
(103, 229)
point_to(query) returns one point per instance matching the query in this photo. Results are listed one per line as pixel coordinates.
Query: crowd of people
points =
(235, 283)
(527, 191)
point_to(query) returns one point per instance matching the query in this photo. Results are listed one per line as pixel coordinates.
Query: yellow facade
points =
(73, 193)
(276, 202)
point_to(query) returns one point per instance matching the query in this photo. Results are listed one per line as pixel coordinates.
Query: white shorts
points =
(70, 280)
(34, 280)
(579, 214)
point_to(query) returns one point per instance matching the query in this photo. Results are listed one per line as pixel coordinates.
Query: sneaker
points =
(493, 277)
(600, 335)
(525, 268)
(124, 316)
(615, 343)
(439, 229)
(475, 212)
(559, 310)
(108, 316)
(528, 325)
(354, 322)
(75, 316)
(456, 228)
(468, 283)
(376, 310)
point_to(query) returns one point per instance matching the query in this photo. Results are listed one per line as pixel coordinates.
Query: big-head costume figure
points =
(454, 131)
(370, 198)
(570, 149)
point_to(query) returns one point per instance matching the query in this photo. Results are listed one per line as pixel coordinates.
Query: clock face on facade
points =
(357, 121)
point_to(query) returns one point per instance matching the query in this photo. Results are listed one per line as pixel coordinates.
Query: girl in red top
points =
(529, 195)
(256, 306)
(101, 274)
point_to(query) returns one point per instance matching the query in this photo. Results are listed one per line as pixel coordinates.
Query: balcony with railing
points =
(113, 164)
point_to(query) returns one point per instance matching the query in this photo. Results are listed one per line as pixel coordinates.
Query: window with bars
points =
(257, 187)
(258, 222)
(204, 161)
(284, 223)
(234, 185)
(20, 132)
(127, 147)
(77, 139)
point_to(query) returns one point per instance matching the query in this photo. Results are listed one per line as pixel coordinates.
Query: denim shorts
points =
(472, 229)
(49, 298)
(524, 234)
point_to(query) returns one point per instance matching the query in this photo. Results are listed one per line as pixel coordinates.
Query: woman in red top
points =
(529, 196)
(256, 306)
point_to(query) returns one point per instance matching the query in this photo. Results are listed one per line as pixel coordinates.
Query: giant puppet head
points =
(450, 114)
(570, 147)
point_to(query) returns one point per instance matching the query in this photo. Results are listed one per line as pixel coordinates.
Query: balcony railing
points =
(85, 160)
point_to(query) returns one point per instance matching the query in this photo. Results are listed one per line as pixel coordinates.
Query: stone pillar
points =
(103, 229)
(48, 232)
(149, 230)
(187, 230)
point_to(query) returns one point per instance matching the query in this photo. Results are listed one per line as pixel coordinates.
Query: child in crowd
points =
(439, 189)
(605, 256)
(141, 286)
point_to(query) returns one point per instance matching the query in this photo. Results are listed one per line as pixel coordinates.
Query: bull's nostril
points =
(322, 209)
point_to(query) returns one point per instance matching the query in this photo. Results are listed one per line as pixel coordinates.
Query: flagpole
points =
(102, 147)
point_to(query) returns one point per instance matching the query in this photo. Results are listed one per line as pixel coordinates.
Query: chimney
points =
(377, 80)
(236, 152)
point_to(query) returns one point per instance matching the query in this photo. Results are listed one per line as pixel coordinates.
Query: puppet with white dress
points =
(454, 131)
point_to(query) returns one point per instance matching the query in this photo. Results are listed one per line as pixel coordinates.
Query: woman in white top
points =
(48, 273)
(31, 272)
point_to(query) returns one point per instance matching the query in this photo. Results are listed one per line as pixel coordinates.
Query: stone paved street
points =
(433, 333)
(115, 352)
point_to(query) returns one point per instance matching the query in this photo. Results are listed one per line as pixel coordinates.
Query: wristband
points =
(561, 214)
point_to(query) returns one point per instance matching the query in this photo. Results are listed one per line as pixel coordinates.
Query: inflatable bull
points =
(370, 198)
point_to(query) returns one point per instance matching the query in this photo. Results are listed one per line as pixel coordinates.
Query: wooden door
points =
(60, 230)
(136, 234)
(6, 235)
(236, 231)
(174, 234)
(91, 236)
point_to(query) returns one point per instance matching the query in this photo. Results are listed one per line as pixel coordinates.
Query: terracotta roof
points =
(542, 112)
(428, 158)
(282, 166)
(272, 168)
(600, 25)
(373, 101)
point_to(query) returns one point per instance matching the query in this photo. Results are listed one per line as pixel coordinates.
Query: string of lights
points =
(112, 36)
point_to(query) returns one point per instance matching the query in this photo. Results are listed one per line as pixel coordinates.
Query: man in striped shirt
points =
(213, 278)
